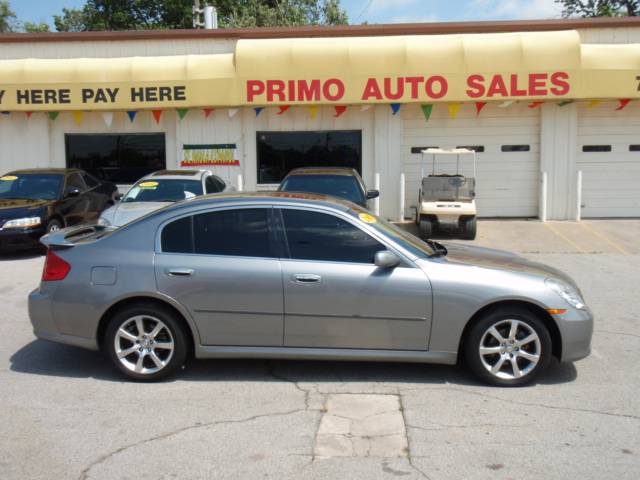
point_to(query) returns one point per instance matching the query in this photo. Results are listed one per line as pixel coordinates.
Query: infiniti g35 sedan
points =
(300, 276)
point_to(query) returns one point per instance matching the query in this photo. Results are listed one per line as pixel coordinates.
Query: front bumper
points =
(14, 239)
(576, 330)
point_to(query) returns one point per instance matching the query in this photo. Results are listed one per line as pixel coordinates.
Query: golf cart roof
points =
(449, 151)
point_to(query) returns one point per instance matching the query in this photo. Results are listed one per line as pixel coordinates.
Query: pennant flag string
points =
(479, 107)
(4, 112)
(232, 112)
(454, 109)
(364, 108)
(564, 102)
(132, 115)
(182, 112)
(340, 109)
(28, 114)
(157, 114)
(258, 111)
(594, 103)
(506, 104)
(53, 115)
(395, 108)
(427, 110)
(283, 109)
(535, 104)
(108, 118)
(313, 111)
(207, 112)
(622, 103)
(78, 116)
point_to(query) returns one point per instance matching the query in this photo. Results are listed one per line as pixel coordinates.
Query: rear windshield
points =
(340, 186)
(163, 190)
(31, 186)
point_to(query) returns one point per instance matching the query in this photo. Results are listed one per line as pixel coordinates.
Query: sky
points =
(372, 11)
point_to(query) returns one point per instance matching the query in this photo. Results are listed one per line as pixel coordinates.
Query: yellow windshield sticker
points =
(365, 217)
(9, 178)
(150, 185)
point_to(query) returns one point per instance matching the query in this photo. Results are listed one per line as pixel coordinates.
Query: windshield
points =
(163, 190)
(31, 186)
(341, 186)
(410, 242)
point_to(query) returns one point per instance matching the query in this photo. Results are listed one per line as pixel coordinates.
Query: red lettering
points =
(537, 84)
(560, 80)
(309, 91)
(414, 82)
(430, 89)
(275, 87)
(254, 88)
(372, 89)
(291, 90)
(476, 86)
(515, 91)
(339, 89)
(497, 87)
(398, 94)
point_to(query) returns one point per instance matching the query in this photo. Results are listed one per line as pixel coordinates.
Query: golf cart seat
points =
(448, 188)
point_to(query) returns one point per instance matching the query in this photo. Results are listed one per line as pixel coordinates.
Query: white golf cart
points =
(446, 202)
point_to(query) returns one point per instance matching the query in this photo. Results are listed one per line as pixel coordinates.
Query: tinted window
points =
(31, 186)
(241, 232)
(475, 148)
(89, 180)
(319, 236)
(596, 148)
(75, 181)
(120, 158)
(634, 148)
(337, 185)
(281, 152)
(515, 148)
(156, 190)
(420, 149)
(177, 236)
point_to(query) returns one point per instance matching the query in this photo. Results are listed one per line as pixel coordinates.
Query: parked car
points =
(42, 200)
(336, 181)
(159, 189)
(280, 275)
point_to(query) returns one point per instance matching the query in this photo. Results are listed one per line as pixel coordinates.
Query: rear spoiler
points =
(70, 236)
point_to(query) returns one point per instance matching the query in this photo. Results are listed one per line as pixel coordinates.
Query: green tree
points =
(8, 20)
(599, 8)
(31, 27)
(150, 14)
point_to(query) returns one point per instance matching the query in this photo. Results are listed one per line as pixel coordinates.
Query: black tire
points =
(505, 376)
(175, 331)
(53, 225)
(425, 228)
(468, 228)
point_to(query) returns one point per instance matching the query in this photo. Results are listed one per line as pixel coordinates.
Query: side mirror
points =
(72, 192)
(386, 259)
(372, 194)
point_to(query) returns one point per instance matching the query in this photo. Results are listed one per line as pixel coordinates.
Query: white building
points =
(579, 127)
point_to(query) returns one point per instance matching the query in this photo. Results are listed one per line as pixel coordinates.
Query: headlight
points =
(104, 222)
(23, 223)
(567, 292)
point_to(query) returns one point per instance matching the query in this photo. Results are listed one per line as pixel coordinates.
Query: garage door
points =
(508, 158)
(609, 158)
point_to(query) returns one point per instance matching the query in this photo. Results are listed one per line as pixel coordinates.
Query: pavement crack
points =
(271, 371)
(406, 433)
(85, 474)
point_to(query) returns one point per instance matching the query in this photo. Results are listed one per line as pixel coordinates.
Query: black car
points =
(339, 182)
(38, 201)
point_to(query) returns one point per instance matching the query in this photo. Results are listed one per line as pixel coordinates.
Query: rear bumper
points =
(576, 329)
(44, 327)
(16, 239)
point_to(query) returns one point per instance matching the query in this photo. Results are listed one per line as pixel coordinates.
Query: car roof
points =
(346, 171)
(51, 171)
(177, 174)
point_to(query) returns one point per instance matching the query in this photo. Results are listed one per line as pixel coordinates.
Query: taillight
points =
(55, 268)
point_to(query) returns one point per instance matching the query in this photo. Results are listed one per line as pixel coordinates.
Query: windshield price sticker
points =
(148, 185)
(365, 217)
(9, 178)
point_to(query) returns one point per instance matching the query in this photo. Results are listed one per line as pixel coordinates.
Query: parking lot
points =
(65, 413)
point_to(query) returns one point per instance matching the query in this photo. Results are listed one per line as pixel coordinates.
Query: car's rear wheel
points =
(146, 342)
(508, 347)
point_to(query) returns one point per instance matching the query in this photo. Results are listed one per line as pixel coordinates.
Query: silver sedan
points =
(300, 276)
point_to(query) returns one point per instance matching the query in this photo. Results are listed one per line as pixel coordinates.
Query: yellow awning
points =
(402, 69)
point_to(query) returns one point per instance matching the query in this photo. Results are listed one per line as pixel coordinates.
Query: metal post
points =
(543, 197)
(579, 196)
(401, 216)
(240, 186)
(376, 201)
(210, 18)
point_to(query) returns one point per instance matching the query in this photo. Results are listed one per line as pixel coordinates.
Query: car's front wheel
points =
(146, 342)
(508, 347)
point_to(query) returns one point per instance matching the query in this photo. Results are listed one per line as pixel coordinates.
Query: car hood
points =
(122, 213)
(18, 208)
(501, 260)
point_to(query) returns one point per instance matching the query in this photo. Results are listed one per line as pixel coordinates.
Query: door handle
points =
(306, 278)
(180, 272)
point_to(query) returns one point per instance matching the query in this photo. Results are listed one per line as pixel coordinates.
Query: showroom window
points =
(281, 152)
(118, 158)
(323, 237)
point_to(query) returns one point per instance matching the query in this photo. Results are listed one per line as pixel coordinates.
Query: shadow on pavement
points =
(45, 358)
(24, 255)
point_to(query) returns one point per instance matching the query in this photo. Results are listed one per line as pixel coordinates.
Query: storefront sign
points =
(210, 155)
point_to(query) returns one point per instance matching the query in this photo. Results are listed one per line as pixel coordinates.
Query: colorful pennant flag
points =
(340, 109)
(5, 112)
(283, 109)
(427, 110)
(506, 104)
(535, 104)
(78, 116)
(53, 115)
(232, 112)
(107, 117)
(622, 103)
(28, 114)
(207, 112)
(182, 112)
(479, 107)
(454, 109)
(313, 111)
(564, 102)
(395, 108)
(157, 114)
(132, 114)
(594, 103)
(366, 107)
(258, 111)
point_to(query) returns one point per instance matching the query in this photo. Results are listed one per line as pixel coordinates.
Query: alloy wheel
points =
(144, 344)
